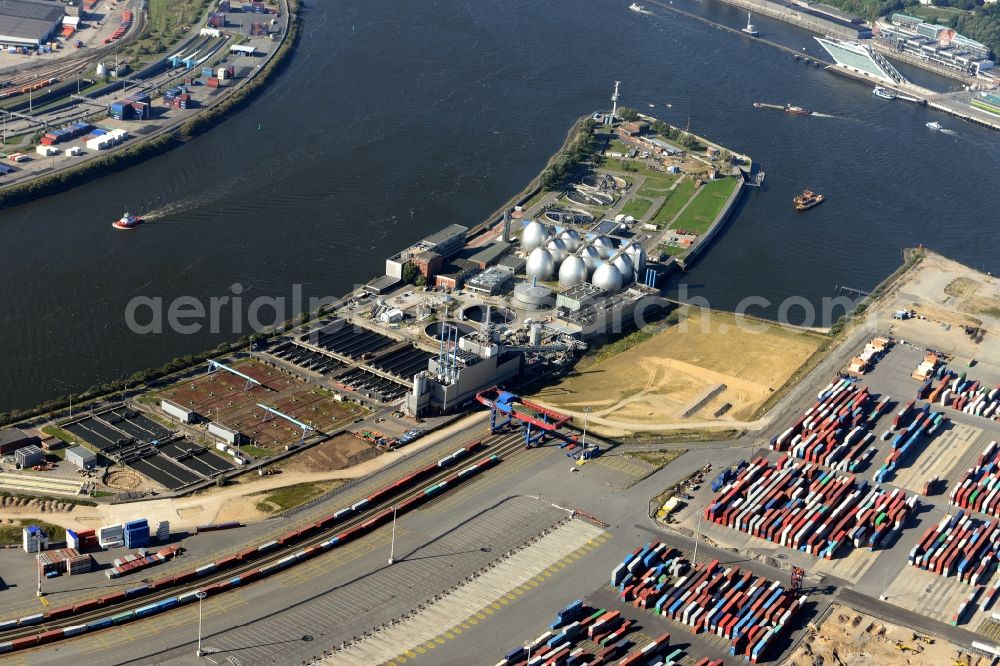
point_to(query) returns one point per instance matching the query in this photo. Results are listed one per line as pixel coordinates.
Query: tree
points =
(628, 114)
(410, 273)
(661, 128)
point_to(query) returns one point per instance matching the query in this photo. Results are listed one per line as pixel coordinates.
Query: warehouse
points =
(29, 22)
(13, 439)
(81, 457)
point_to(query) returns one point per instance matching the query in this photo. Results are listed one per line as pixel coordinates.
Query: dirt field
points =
(334, 454)
(225, 398)
(946, 297)
(848, 638)
(705, 370)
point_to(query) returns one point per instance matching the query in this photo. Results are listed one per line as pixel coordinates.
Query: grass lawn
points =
(59, 433)
(675, 201)
(256, 451)
(290, 497)
(11, 534)
(637, 207)
(657, 186)
(672, 250)
(706, 205)
(617, 146)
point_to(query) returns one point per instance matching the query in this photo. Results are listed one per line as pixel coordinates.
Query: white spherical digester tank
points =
(540, 264)
(534, 235)
(571, 271)
(607, 277)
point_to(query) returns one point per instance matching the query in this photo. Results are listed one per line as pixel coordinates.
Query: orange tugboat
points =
(807, 200)
(127, 221)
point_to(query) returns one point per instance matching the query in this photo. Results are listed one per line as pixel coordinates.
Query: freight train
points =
(248, 555)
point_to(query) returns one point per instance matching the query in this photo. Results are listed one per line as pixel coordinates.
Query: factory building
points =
(448, 242)
(29, 23)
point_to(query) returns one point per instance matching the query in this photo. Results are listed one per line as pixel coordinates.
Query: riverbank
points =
(163, 138)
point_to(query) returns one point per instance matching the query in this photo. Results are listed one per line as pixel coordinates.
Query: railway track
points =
(493, 448)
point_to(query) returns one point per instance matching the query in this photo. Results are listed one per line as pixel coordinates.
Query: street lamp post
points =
(527, 646)
(586, 413)
(697, 538)
(201, 597)
(392, 545)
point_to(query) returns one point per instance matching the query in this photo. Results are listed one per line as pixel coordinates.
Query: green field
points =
(283, 499)
(675, 201)
(637, 207)
(706, 205)
(933, 14)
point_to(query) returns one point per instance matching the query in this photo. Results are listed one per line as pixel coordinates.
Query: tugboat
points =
(797, 110)
(884, 93)
(750, 29)
(127, 221)
(807, 200)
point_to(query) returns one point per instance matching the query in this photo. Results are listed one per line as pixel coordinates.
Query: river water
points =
(394, 119)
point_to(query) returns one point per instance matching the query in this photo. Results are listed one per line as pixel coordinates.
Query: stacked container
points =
(136, 534)
(136, 562)
(82, 540)
(799, 505)
(748, 610)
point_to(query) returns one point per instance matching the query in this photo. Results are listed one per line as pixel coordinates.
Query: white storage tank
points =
(604, 246)
(625, 267)
(557, 248)
(591, 257)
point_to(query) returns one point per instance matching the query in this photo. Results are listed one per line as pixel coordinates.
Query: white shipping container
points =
(99, 143)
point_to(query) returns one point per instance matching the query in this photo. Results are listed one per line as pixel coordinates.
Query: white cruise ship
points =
(861, 59)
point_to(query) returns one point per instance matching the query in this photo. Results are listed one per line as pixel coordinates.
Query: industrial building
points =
(183, 414)
(29, 23)
(29, 456)
(447, 243)
(13, 439)
(937, 44)
(81, 457)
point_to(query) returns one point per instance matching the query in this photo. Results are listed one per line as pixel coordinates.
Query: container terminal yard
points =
(76, 97)
(443, 517)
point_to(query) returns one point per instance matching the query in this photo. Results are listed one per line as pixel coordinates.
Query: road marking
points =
(472, 602)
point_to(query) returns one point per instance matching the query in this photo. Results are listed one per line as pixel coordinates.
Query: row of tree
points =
(580, 149)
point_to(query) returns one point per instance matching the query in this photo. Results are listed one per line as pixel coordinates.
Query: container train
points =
(248, 555)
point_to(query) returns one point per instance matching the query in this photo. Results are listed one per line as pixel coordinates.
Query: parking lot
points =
(126, 436)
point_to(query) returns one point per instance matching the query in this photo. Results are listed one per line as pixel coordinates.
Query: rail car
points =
(245, 577)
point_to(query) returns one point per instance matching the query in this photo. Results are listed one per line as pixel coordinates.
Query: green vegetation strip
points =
(289, 497)
(11, 534)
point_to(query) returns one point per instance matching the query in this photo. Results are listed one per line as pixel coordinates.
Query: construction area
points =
(705, 370)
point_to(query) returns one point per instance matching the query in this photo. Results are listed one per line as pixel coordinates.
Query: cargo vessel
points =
(797, 110)
(807, 200)
(127, 221)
